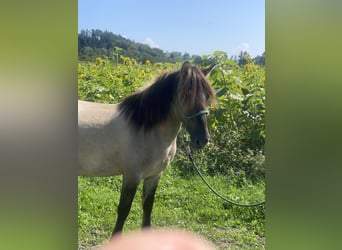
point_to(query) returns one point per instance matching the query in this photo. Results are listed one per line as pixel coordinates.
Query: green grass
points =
(183, 202)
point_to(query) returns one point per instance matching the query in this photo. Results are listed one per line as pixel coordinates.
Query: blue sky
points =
(192, 26)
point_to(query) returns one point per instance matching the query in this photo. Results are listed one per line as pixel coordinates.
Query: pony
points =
(136, 138)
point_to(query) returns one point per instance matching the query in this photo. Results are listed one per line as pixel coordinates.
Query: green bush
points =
(237, 123)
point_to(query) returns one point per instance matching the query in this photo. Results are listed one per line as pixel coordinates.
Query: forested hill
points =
(97, 43)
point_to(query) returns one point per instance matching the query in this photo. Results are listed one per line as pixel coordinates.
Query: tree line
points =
(105, 44)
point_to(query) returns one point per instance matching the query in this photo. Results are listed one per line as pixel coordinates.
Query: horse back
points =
(101, 131)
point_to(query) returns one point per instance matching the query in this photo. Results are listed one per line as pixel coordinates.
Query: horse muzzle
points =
(200, 142)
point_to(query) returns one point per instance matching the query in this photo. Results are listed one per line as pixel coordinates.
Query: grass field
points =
(182, 202)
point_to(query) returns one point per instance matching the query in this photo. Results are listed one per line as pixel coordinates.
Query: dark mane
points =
(151, 106)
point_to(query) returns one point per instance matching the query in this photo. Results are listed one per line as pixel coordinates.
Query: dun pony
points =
(137, 137)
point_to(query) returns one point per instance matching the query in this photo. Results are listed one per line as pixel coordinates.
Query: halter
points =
(199, 113)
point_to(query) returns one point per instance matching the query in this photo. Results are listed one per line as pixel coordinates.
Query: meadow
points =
(233, 162)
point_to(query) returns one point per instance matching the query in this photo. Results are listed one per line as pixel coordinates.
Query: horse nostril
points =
(200, 143)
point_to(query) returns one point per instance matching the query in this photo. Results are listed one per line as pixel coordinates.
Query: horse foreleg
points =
(128, 191)
(149, 190)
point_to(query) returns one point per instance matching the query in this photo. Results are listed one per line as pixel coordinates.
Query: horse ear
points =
(185, 69)
(207, 70)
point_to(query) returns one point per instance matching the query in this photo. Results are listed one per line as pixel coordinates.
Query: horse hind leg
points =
(149, 190)
(128, 191)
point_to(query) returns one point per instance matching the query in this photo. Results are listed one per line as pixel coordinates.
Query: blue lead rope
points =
(188, 152)
(202, 112)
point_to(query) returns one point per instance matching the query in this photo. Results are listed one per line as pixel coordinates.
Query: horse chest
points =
(156, 160)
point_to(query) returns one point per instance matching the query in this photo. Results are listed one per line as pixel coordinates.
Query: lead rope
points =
(188, 152)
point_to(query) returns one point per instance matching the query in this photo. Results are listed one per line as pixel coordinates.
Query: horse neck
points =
(169, 129)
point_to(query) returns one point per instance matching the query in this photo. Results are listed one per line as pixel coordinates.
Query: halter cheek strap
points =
(202, 112)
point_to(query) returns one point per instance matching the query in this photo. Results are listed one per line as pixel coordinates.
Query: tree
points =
(175, 56)
(197, 59)
(260, 60)
(86, 54)
(186, 57)
(244, 58)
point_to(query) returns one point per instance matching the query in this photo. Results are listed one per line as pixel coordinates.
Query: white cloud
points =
(151, 43)
(244, 47)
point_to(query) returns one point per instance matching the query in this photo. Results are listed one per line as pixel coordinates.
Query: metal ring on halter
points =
(197, 114)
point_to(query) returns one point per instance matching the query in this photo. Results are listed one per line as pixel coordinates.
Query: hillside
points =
(97, 43)
(105, 44)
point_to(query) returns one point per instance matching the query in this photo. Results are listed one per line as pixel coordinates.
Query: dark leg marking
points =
(126, 198)
(149, 190)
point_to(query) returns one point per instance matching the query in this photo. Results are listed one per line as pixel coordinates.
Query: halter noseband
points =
(202, 112)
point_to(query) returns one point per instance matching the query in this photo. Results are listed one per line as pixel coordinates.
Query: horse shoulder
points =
(101, 134)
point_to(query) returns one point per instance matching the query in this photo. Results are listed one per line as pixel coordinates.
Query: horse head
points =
(194, 93)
